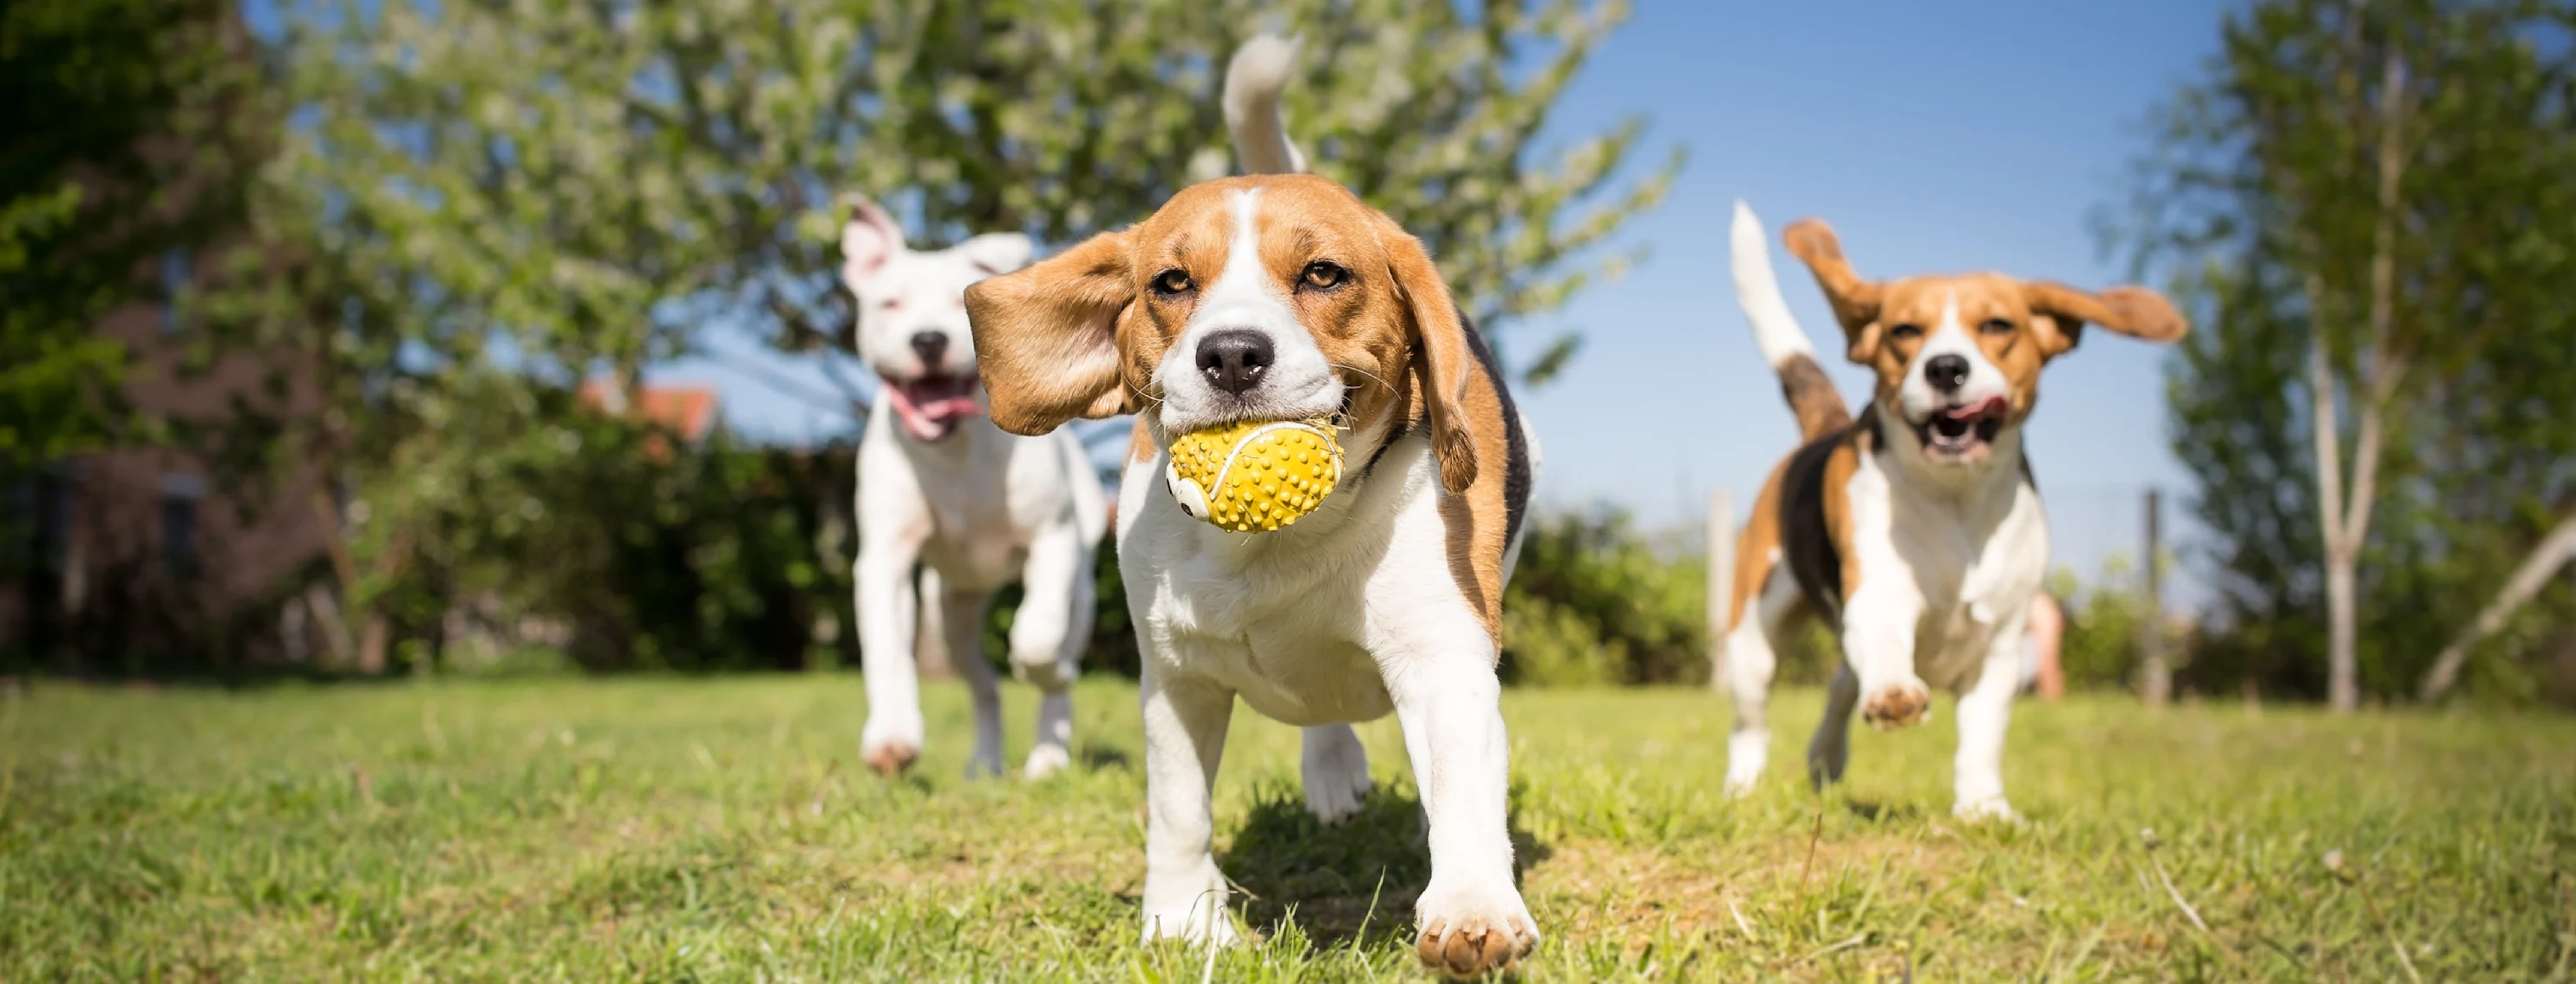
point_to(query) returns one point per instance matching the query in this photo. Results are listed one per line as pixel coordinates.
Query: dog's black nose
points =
(1946, 373)
(931, 346)
(1235, 359)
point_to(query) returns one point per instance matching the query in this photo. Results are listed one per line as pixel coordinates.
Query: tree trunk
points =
(2347, 519)
(2537, 567)
(2343, 691)
(2155, 670)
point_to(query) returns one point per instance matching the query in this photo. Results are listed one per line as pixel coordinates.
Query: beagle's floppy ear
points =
(1855, 301)
(1046, 337)
(1443, 360)
(2133, 311)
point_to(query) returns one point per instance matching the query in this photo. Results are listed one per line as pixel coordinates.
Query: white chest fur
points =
(1969, 555)
(1282, 618)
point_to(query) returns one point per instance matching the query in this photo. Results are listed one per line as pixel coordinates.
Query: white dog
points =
(942, 488)
(1283, 297)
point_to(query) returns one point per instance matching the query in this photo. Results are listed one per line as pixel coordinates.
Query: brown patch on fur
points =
(1140, 444)
(1812, 397)
(1804, 515)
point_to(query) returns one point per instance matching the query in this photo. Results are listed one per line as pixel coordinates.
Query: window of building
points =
(180, 496)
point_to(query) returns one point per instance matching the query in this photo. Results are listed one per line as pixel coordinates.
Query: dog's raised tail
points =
(1811, 394)
(1253, 81)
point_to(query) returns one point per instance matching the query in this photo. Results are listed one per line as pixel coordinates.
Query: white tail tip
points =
(1757, 290)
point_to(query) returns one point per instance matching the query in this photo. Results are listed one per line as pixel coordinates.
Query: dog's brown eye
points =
(1170, 282)
(1905, 332)
(1996, 326)
(1325, 275)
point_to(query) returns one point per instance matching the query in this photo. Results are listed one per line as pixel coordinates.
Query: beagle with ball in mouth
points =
(1915, 530)
(1283, 297)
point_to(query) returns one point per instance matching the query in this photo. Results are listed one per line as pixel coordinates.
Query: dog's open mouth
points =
(930, 406)
(1963, 432)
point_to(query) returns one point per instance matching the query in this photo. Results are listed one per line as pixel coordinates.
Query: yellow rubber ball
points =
(1255, 476)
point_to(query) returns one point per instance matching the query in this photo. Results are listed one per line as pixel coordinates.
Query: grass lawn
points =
(670, 829)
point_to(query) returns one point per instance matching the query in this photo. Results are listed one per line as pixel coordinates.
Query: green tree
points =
(558, 188)
(131, 133)
(2367, 203)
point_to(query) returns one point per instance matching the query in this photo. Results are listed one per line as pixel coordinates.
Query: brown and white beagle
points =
(1914, 530)
(1284, 297)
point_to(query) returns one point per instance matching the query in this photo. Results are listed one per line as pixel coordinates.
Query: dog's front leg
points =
(887, 606)
(1878, 630)
(1185, 722)
(1985, 711)
(1048, 635)
(1471, 919)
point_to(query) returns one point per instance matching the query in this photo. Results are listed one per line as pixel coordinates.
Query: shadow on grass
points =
(1879, 812)
(1100, 758)
(1354, 882)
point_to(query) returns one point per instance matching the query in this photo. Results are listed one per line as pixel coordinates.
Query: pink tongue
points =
(943, 409)
(930, 412)
(1990, 405)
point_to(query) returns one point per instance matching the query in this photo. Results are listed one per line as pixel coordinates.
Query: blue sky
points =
(1935, 137)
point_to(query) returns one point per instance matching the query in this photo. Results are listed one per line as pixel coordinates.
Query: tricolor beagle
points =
(1914, 531)
(1283, 297)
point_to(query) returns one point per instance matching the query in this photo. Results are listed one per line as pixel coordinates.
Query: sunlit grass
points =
(722, 830)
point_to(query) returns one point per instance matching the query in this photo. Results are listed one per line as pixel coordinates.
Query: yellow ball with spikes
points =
(1256, 476)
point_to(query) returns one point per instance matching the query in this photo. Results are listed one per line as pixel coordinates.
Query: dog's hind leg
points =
(1831, 747)
(1047, 638)
(1335, 772)
(1752, 657)
(961, 617)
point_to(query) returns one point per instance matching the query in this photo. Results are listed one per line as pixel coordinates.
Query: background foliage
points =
(2259, 191)
(510, 197)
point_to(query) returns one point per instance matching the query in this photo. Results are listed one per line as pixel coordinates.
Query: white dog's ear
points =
(998, 252)
(868, 240)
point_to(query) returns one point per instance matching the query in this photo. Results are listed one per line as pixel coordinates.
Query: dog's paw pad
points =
(891, 758)
(1902, 704)
(1468, 940)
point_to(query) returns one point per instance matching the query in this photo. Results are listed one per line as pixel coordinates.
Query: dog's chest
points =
(1283, 635)
(1278, 621)
(1975, 565)
(985, 503)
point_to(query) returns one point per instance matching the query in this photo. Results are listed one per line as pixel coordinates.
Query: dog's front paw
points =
(1188, 905)
(1204, 922)
(1899, 704)
(1046, 760)
(1048, 674)
(1989, 810)
(889, 748)
(1472, 932)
